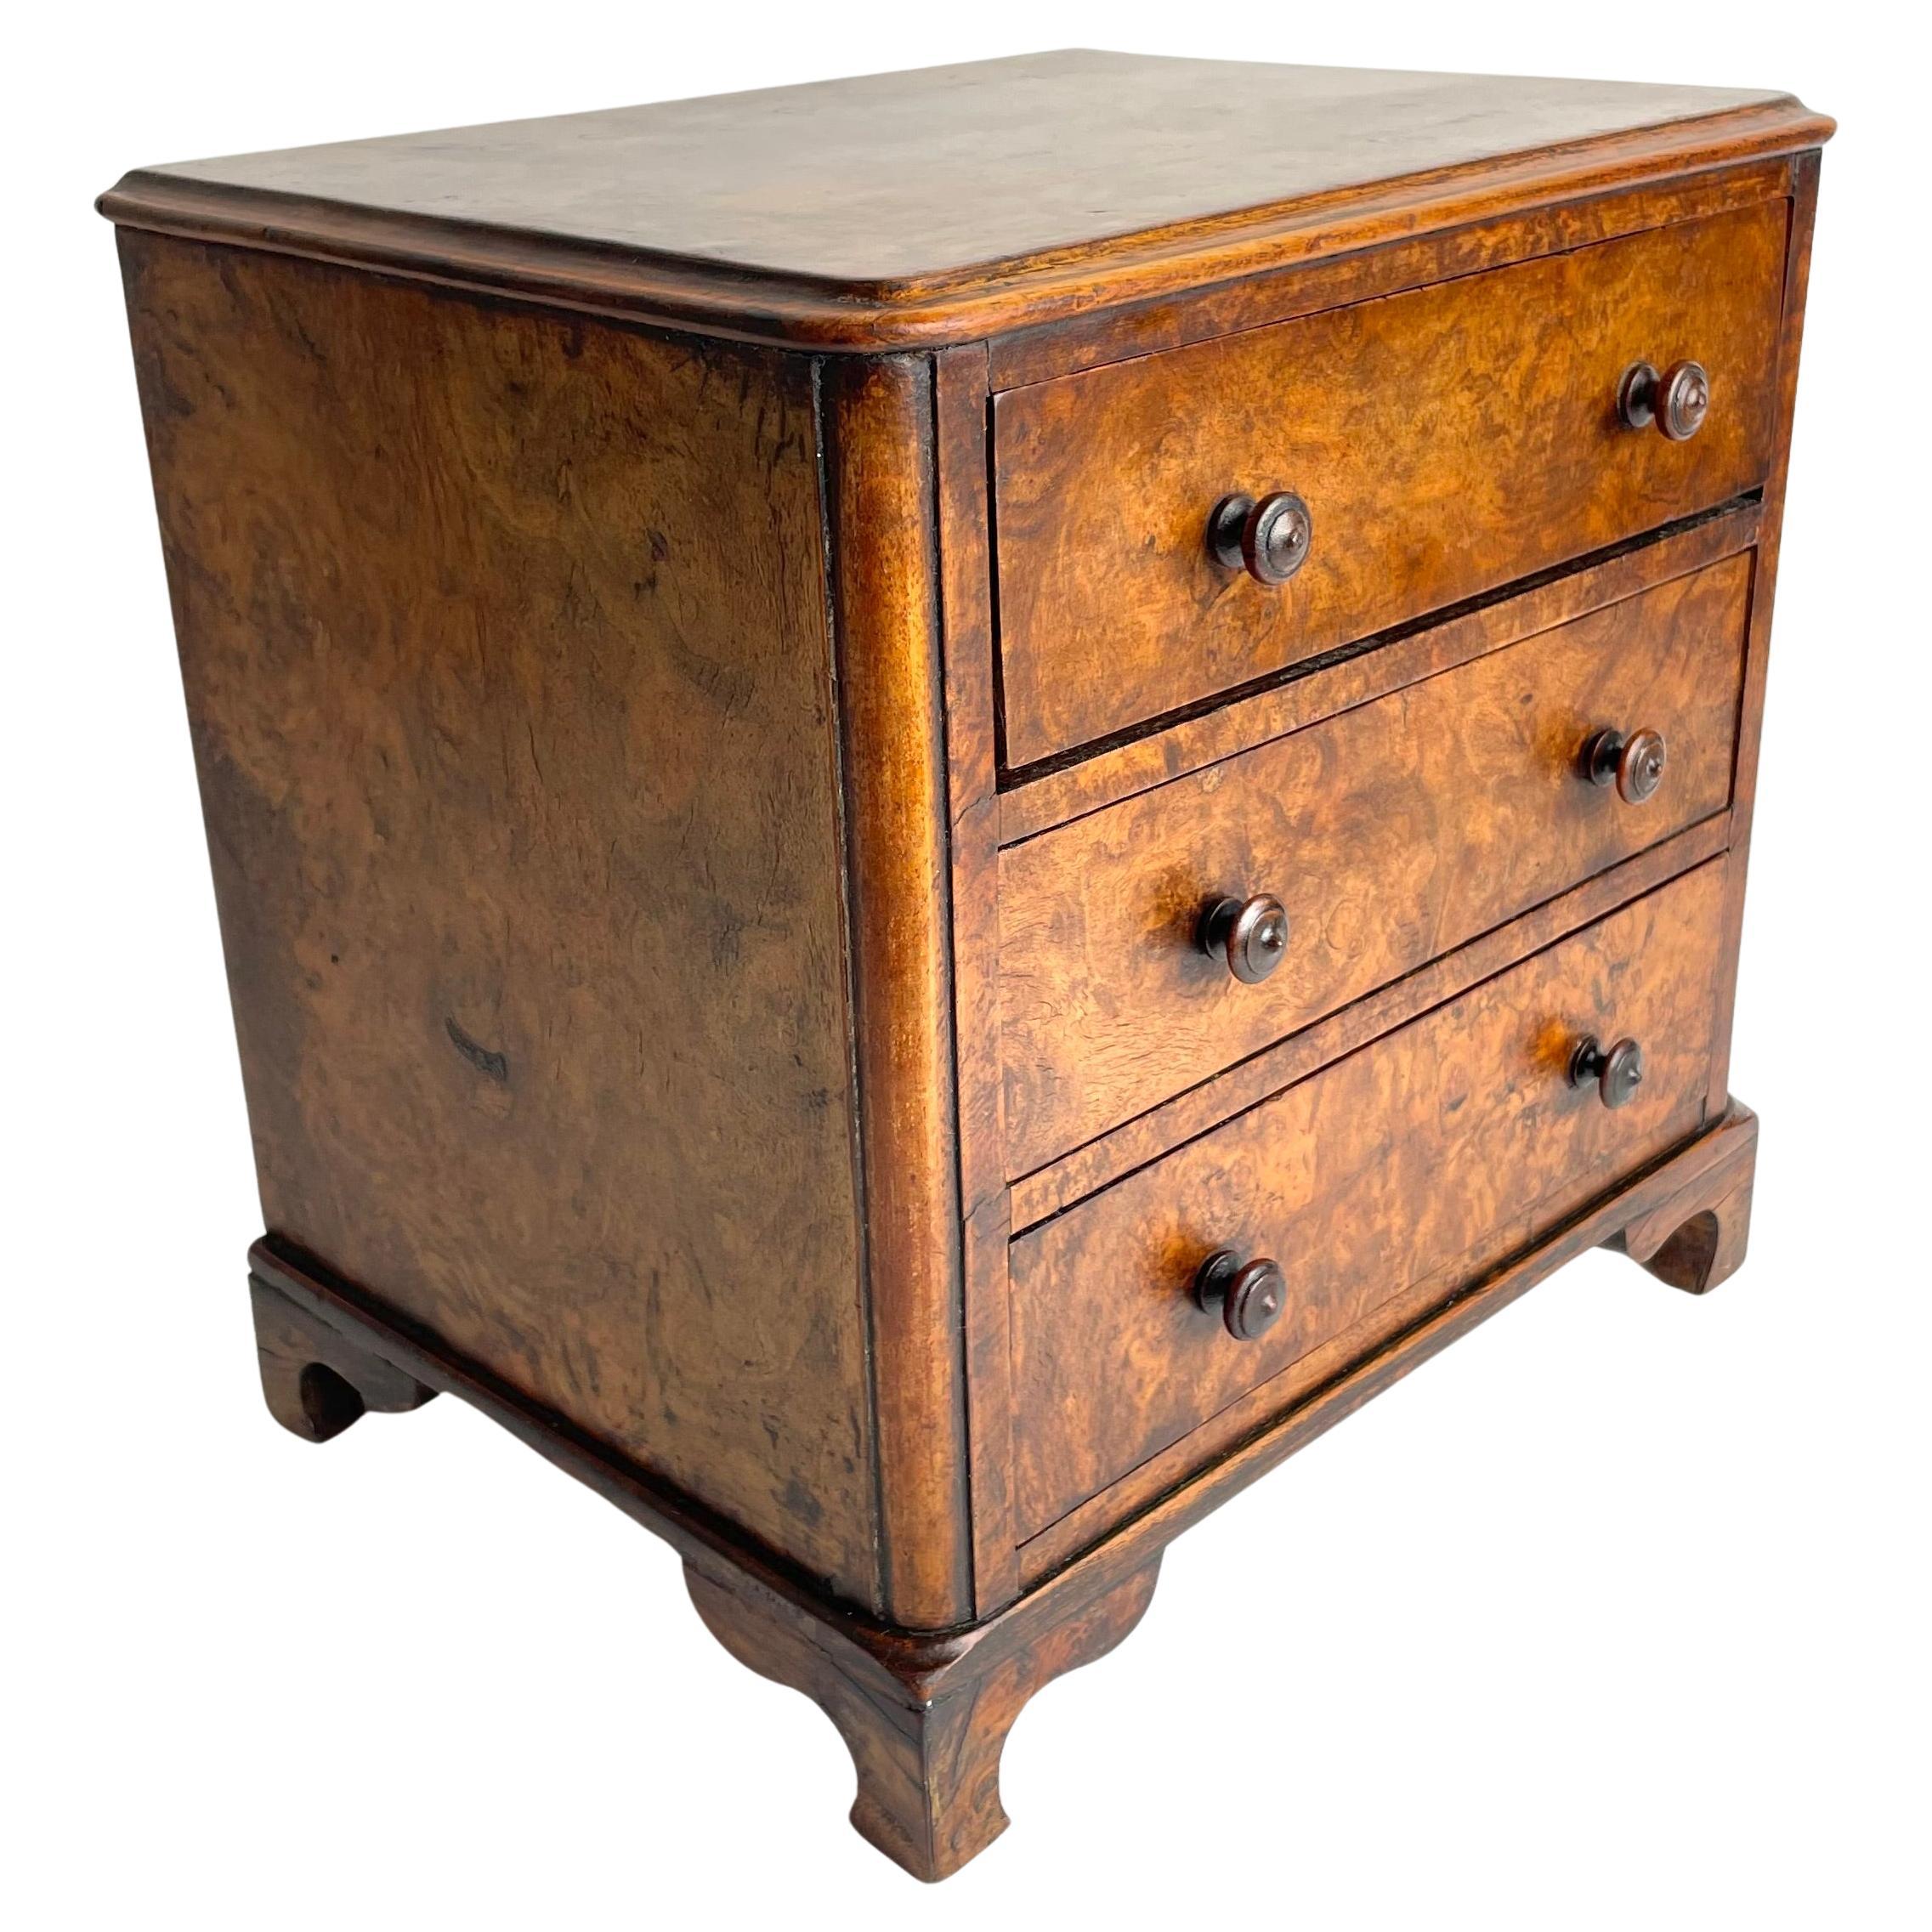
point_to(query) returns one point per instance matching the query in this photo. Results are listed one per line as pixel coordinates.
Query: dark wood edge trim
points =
(1084, 1540)
(1804, 172)
(1164, 1129)
(1312, 692)
(965, 574)
(1131, 330)
(963, 305)
(877, 430)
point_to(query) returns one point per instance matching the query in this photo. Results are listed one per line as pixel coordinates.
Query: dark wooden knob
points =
(1617, 1069)
(1677, 402)
(1634, 765)
(1248, 1296)
(1686, 401)
(1249, 937)
(1268, 538)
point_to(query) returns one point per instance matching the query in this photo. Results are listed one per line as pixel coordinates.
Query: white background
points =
(1615, 1616)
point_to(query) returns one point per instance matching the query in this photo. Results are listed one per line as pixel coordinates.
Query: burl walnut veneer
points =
(944, 804)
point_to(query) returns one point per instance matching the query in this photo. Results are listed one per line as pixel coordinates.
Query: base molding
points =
(317, 1380)
(926, 1713)
(1696, 1237)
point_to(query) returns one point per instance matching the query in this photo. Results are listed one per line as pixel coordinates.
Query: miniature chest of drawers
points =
(944, 804)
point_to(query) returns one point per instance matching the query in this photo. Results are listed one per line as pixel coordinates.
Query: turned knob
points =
(1617, 1069)
(1677, 402)
(1248, 1297)
(1247, 936)
(1269, 539)
(1634, 765)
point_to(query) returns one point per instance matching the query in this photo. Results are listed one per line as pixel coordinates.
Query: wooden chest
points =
(944, 804)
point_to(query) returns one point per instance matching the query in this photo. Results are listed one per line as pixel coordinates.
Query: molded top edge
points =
(904, 210)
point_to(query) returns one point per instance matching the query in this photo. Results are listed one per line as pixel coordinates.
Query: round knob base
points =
(1636, 396)
(1634, 764)
(1617, 1071)
(1676, 402)
(1686, 401)
(1248, 1297)
(1249, 937)
(1269, 539)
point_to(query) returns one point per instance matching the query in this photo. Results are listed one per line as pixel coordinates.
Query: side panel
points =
(506, 652)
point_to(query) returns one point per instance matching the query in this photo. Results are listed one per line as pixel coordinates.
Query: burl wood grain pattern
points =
(1410, 1160)
(1048, 1190)
(1502, 237)
(915, 175)
(1062, 793)
(1682, 1193)
(894, 1693)
(505, 646)
(709, 838)
(926, 1724)
(1391, 834)
(945, 204)
(1443, 448)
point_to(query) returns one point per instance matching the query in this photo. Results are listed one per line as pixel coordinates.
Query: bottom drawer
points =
(1413, 1164)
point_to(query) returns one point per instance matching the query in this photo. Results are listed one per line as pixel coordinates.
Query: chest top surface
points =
(884, 198)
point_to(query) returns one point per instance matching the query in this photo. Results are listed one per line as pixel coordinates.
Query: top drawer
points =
(1445, 441)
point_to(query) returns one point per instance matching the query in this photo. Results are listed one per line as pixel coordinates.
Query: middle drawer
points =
(1389, 835)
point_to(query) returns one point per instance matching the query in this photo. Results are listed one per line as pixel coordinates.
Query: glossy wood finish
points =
(926, 208)
(1349, 678)
(1100, 1597)
(1491, 239)
(1155, 1501)
(878, 422)
(619, 863)
(1441, 451)
(441, 572)
(1416, 1160)
(926, 1716)
(876, 1680)
(913, 176)
(959, 391)
(1391, 834)
(1050, 1190)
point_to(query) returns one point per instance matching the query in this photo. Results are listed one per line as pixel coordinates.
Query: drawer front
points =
(1389, 835)
(1414, 1163)
(1444, 441)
